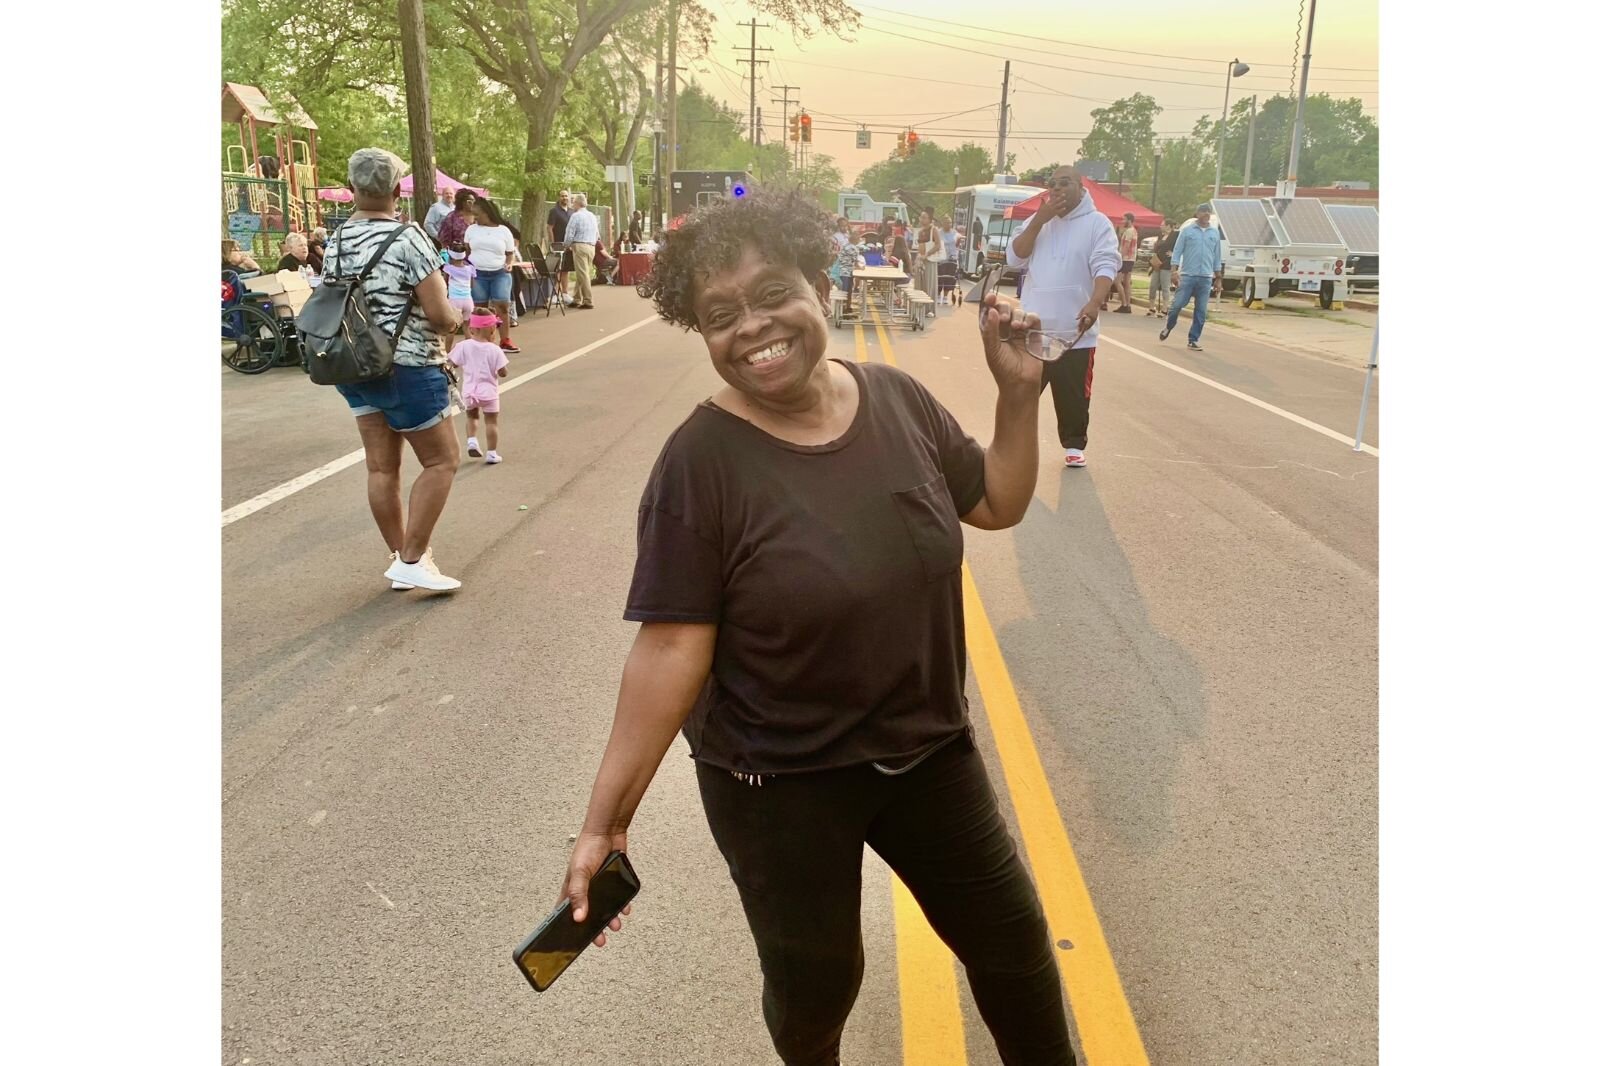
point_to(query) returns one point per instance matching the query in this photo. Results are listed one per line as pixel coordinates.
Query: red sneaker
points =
(509, 348)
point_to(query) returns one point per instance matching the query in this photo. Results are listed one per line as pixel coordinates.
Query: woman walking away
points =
(482, 365)
(799, 583)
(407, 294)
(494, 249)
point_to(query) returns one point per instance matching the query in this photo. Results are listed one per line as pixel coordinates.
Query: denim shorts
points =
(492, 286)
(412, 399)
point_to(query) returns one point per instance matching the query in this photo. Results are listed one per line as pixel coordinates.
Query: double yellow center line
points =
(930, 1005)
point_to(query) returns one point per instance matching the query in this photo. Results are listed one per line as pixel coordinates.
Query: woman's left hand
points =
(1009, 362)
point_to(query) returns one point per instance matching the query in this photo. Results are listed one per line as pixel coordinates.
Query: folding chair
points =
(545, 268)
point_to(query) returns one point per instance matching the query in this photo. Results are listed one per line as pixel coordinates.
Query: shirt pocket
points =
(933, 526)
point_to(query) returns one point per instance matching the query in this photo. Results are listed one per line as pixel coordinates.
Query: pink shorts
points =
(481, 397)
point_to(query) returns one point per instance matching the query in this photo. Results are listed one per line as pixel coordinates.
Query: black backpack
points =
(340, 339)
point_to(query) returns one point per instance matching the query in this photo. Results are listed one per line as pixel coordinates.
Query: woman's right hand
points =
(588, 853)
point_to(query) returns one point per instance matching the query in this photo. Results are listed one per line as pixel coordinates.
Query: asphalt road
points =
(1188, 627)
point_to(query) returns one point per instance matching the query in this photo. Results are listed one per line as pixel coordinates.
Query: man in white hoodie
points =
(1070, 251)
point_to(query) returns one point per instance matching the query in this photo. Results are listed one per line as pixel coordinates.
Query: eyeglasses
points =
(1043, 345)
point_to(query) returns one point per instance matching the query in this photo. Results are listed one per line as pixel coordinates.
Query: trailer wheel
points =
(1325, 297)
(1248, 295)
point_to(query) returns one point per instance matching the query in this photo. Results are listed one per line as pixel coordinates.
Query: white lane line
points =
(1264, 405)
(327, 470)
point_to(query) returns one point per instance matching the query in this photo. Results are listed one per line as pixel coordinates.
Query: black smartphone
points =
(551, 948)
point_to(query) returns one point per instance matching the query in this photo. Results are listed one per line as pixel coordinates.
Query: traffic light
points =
(911, 142)
(900, 145)
(794, 127)
(805, 127)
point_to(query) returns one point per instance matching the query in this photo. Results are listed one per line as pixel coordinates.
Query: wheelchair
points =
(256, 336)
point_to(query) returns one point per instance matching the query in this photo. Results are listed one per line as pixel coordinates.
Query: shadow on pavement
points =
(1124, 703)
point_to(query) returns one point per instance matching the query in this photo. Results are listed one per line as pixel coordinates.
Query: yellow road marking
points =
(930, 1003)
(883, 337)
(861, 344)
(1104, 1019)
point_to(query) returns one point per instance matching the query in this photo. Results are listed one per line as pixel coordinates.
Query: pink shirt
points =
(480, 363)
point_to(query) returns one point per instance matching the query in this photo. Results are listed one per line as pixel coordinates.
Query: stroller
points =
(949, 275)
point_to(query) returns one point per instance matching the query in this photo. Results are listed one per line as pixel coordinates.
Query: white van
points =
(979, 213)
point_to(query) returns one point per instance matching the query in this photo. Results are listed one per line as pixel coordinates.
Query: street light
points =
(1236, 69)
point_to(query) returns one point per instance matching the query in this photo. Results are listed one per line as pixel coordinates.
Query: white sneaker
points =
(473, 449)
(398, 586)
(423, 573)
(494, 456)
(1075, 458)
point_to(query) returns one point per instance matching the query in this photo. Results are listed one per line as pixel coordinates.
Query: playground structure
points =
(269, 178)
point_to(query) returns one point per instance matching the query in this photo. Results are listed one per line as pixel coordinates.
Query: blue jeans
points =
(1199, 287)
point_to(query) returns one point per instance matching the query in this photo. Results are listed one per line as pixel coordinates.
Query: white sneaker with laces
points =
(423, 574)
(493, 457)
(398, 586)
(1075, 458)
(473, 449)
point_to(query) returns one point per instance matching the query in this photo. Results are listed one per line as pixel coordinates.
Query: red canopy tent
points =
(1108, 200)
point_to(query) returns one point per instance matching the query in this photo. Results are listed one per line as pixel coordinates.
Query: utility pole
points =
(1249, 147)
(1005, 109)
(414, 58)
(785, 102)
(758, 126)
(1286, 187)
(754, 25)
(655, 158)
(672, 85)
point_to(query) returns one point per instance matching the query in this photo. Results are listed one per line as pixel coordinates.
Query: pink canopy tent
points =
(1107, 199)
(441, 180)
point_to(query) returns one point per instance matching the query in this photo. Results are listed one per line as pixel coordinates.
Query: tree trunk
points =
(533, 201)
(414, 57)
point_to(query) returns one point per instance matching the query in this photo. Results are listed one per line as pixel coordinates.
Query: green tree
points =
(1341, 141)
(1122, 135)
(928, 178)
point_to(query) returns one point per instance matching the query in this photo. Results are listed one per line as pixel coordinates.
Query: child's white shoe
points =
(473, 449)
(494, 456)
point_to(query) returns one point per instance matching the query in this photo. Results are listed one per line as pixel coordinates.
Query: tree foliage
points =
(1340, 144)
(929, 177)
(1123, 131)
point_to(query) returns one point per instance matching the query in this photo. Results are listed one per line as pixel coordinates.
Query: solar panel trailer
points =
(1275, 245)
(1358, 225)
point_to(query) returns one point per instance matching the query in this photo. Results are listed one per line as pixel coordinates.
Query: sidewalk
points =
(1339, 336)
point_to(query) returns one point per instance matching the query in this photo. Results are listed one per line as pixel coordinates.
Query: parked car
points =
(1146, 248)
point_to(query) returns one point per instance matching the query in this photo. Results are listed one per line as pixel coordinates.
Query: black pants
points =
(1071, 379)
(793, 845)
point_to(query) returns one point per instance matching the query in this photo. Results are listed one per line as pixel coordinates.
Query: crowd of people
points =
(926, 254)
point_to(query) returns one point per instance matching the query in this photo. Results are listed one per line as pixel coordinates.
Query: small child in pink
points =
(458, 275)
(482, 365)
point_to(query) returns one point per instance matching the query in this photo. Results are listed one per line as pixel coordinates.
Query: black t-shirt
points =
(1163, 249)
(558, 222)
(833, 572)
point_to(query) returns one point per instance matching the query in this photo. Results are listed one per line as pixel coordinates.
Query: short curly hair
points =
(787, 226)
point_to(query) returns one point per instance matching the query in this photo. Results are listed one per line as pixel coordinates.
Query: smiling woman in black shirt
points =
(799, 584)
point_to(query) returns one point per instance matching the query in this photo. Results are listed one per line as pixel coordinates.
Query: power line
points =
(1057, 66)
(1096, 59)
(891, 74)
(1084, 44)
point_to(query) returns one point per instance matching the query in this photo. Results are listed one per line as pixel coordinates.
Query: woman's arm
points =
(1011, 463)
(663, 676)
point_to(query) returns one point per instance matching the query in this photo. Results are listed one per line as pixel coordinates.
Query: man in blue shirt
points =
(1197, 262)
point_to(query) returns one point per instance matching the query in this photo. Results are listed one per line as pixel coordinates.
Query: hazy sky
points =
(871, 79)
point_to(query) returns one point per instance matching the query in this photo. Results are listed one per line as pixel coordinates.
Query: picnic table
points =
(891, 289)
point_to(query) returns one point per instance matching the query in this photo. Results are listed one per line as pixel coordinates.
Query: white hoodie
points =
(1068, 254)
